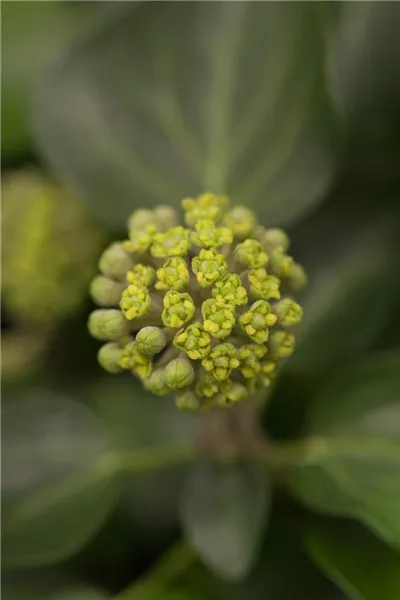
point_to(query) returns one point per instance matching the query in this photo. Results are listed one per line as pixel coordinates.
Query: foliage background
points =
(293, 108)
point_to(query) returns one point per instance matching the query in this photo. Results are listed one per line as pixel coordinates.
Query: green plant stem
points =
(176, 560)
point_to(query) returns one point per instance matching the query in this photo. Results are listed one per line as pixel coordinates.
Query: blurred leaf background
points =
(293, 110)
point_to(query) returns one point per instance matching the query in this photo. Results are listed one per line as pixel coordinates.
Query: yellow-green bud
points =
(274, 239)
(135, 361)
(289, 313)
(205, 206)
(115, 261)
(267, 372)
(141, 275)
(249, 357)
(281, 344)
(108, 357)
(140, 219)
(256, 321)
(135, 301)
(150, 340)
(105, 291)
(156, 383)
(297, 277)
(194, 341)
(207, 386)
(174, 274)
(179, 373)
(178, 309)
(230, 291)
(140, 240)
(166, 217)
(187, 401)
(210, 236)
(218, 320)
(107, 324)
(251, 253)
(264, 286)
(209, 267)
(280, 264)
(241, 221)
(174, 242)
(221, 361)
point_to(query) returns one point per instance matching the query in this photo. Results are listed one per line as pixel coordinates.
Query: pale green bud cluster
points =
(202, 307)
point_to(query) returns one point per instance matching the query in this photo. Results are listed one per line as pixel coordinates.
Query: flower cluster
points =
(202, 311)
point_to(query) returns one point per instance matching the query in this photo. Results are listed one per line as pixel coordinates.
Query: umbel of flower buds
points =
(202, 310)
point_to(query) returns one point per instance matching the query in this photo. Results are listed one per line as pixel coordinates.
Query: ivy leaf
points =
(56, 491)
(170, 99)
(352, 461)
(224, 510)
(360, 564)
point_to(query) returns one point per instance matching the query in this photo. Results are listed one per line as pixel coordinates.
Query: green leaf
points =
(33, 33)
(57, 490)
(171, 99)
(351, 463)
(360, 564)
(224, 510)
(139, 422)
(352, 293)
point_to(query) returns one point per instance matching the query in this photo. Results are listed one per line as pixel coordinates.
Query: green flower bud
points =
(218, 320)
(208, 386)
(139, 364)
(221, 361)
(156, 383)
(107, 324)
(206, 206)
(297, 277)
(135, 301)
(187, 401)
(194, 341)
(174, 242)
(256, 321)
(210, 236)
(105, 291)
(241, 221)
(179, 373)
(174, 274)
(251, 253)
(109, 356)
(209, 267)
(178, 309)
(115, 261)
(140, 219)
(236, 392)
(249, 357)
(230, 291)
(150, 340)
(165, 217)
(140, 240)
(289, 313)
(141, 275)
(262, 285)
(267, 372)
(281, 344)
(275, 239)
(280, 264)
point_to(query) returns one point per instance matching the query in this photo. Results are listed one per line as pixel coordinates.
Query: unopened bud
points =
(150, 340)
(105, 291)
(179, 373)
(115, 261)
(289, 313)
(187, 401)
(274, 239)
(281, 344)
(109, 356)
(156, 383)
(107, 324)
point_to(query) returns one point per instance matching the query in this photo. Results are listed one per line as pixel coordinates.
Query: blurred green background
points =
(294, 110)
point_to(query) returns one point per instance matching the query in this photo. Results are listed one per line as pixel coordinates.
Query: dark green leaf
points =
(174, 98)
(360, 564)
(352, 461)
(224, 510)
(57, 490)
(30, 34)
(137, 421)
